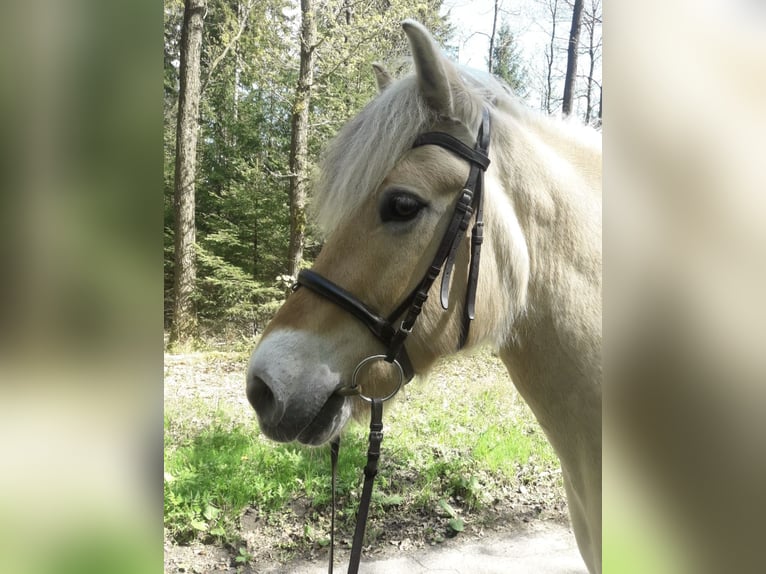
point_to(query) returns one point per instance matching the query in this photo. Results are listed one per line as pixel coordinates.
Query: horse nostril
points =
(265, 403)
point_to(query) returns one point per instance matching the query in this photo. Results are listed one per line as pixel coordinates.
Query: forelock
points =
(366, 150)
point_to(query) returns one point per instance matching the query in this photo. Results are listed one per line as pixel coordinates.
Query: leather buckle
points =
(478, 233)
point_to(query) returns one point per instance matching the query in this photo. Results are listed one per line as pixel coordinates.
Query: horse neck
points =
(553, 183)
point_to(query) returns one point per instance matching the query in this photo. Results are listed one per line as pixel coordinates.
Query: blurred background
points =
(86, 200)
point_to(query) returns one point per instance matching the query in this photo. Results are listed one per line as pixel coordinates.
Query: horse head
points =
(384, 204)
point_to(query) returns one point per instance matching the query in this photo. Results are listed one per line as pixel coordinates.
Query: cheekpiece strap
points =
(474, 207)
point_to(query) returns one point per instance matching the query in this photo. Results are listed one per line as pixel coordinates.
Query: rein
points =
(470, 202)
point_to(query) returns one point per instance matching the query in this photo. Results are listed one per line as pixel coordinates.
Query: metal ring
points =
(369, 359)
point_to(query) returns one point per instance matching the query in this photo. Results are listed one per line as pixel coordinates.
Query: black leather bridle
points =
(470, 202)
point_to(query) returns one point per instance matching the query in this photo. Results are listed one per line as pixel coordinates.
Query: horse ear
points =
(433, 69)
(382, 76)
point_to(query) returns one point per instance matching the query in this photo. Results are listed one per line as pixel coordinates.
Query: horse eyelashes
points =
(400, 206)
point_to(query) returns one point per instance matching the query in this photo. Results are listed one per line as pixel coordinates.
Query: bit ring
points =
(354, 389)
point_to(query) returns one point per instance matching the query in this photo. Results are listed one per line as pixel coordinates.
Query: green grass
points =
(210, 478)
(446, 440)
(503, 444)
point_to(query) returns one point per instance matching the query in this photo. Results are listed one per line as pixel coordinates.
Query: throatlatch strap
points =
(477, 238)
(373, 454)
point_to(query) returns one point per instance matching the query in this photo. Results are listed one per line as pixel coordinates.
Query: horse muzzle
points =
(307, 419)
(294, 399)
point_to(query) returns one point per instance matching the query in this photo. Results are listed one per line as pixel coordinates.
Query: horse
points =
(384, 198)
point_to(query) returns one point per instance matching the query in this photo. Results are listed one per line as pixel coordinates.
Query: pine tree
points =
(507, 62)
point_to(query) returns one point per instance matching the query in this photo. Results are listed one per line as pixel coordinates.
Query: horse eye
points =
(400, 207)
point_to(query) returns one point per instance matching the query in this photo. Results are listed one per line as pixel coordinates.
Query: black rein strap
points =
(370, 471)
(334, 451)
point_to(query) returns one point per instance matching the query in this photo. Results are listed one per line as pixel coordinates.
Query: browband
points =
(453, 144)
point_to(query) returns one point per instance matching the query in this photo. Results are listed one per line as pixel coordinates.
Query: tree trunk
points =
(490, 60)
(299, 140)
(592, 20)
(589, 88)
(184, 326)
(237, 72)
(571, 75)
(600, 99)
(550, 55)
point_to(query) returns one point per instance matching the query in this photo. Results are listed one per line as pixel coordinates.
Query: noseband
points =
(471, 201)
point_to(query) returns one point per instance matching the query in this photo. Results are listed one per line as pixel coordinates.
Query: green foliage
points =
(226, 292)
(243, 557)
(211, 479)
(455, 523)
(344, 82)
(241, 191)
(507, 62)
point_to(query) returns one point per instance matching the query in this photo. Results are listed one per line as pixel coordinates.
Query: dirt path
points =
(537, 548)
